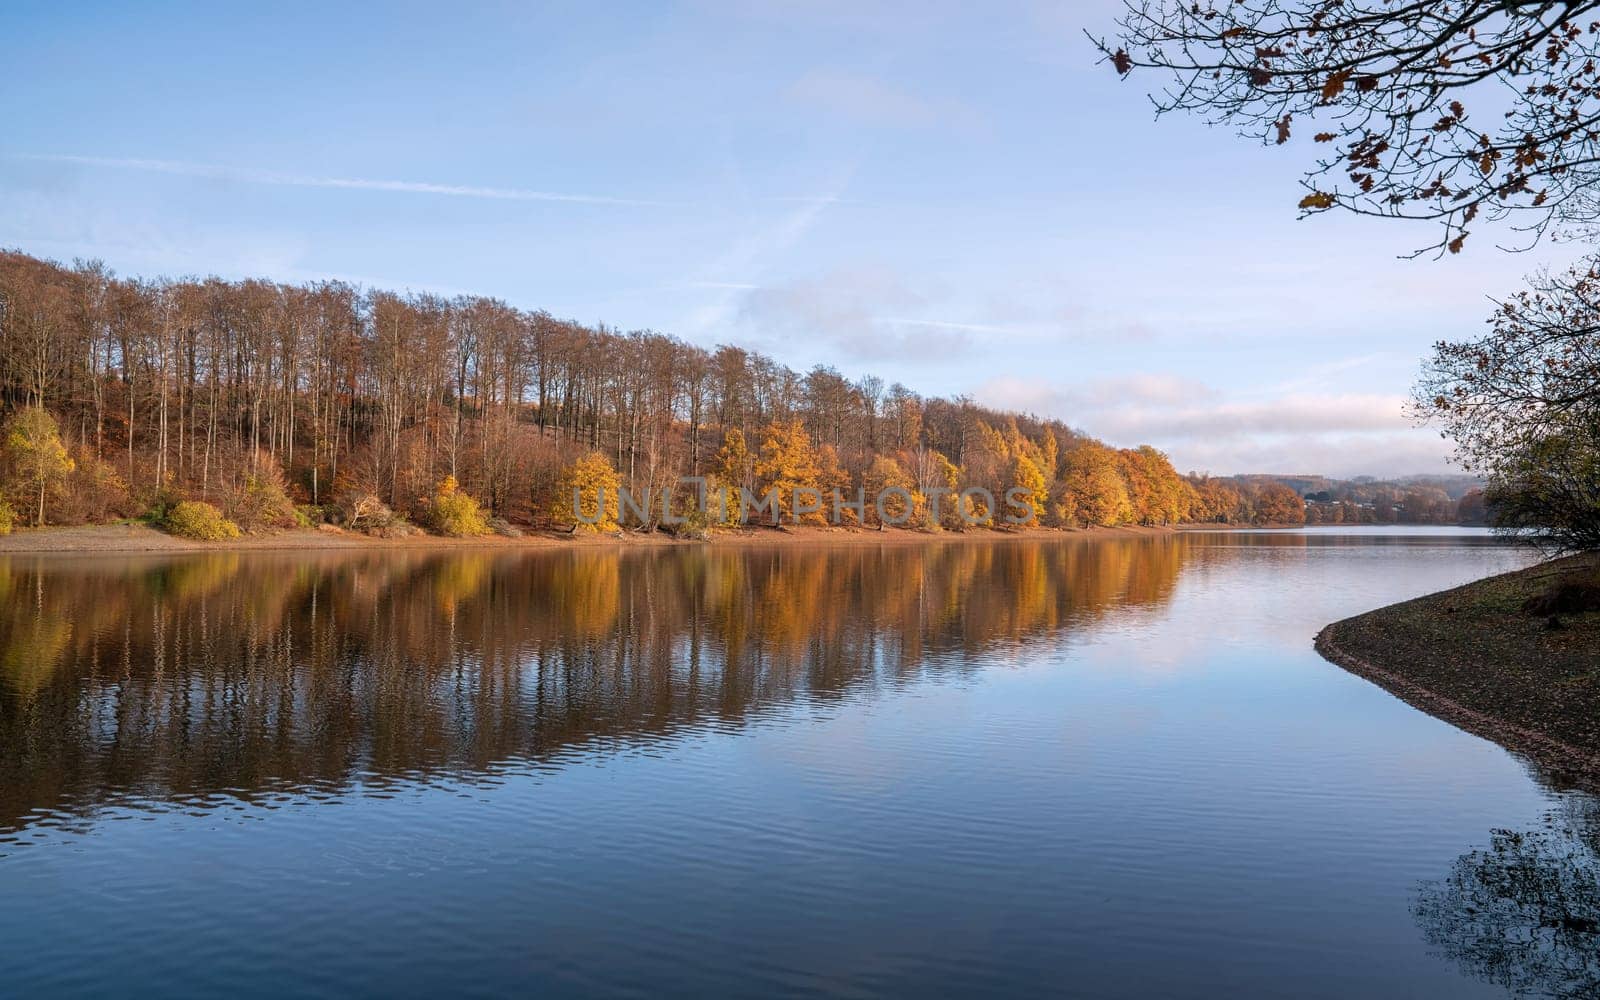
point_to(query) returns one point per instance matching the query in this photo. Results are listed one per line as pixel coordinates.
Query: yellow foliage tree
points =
(1155, 491)
(1092, 490)
(454, 512)
(722, 504)
(992, 442)
(734, 465)
(1139, 486)
(200, 521)
(1050, 457)
(1032, 491)
(1169, 500)
(578, 495)
(831, 478)
(1017, 443)
(38, 460)
(788, 463)
(935, 472)
(884, 482)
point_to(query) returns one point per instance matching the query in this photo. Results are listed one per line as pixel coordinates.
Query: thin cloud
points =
(840, 309)
(1202, 428)
(747, 256)
(1316, 376)
(252, 175)
(873, 312)
(940, 324)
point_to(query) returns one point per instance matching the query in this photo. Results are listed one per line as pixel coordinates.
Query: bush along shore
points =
(1513, 658)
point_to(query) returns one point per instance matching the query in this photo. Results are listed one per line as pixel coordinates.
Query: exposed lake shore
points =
(112, 539)
(1513, 658)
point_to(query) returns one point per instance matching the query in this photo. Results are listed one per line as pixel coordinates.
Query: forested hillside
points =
(292, 403)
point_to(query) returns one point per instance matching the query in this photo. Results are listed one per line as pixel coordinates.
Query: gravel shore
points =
(1476, 657)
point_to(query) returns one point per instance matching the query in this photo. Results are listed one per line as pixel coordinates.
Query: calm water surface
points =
(1110, 767)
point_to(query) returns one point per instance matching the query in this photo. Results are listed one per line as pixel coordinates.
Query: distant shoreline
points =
(1474, 658)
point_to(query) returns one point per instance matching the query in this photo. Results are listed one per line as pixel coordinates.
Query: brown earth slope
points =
(1514, 658)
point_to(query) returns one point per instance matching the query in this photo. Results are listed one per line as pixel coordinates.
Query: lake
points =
(1110, 766)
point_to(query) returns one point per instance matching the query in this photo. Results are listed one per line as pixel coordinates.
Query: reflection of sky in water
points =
(1125, 774)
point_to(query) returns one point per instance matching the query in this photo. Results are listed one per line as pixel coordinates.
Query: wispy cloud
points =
(747, 256)
(255, 175)
(841, 309)
(940, 324)
(1172, 408)
(1203, 428)
(874, 311)
(138, 238)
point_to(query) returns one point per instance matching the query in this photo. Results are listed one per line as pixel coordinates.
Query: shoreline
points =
(140, 539)
(135, 538)
(1472, 657)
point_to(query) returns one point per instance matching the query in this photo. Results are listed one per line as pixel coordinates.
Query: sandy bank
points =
(124, 538)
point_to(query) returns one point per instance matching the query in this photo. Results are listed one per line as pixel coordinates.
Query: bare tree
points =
(1451, 111)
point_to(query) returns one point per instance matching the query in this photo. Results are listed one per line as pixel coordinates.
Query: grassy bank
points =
(111, 539)
(1513, 658)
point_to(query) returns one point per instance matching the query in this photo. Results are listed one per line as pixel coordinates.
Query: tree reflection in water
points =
(146, 681)
(1524, 912)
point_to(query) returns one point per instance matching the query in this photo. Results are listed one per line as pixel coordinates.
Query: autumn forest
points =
(280, 404)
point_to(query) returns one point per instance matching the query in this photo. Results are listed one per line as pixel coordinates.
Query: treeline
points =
(125, 396)
(1395, 503)
(1447, 499)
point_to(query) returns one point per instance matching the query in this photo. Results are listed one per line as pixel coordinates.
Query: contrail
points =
(252, 175)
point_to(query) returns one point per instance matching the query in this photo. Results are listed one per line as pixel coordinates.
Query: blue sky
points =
(953, 196)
